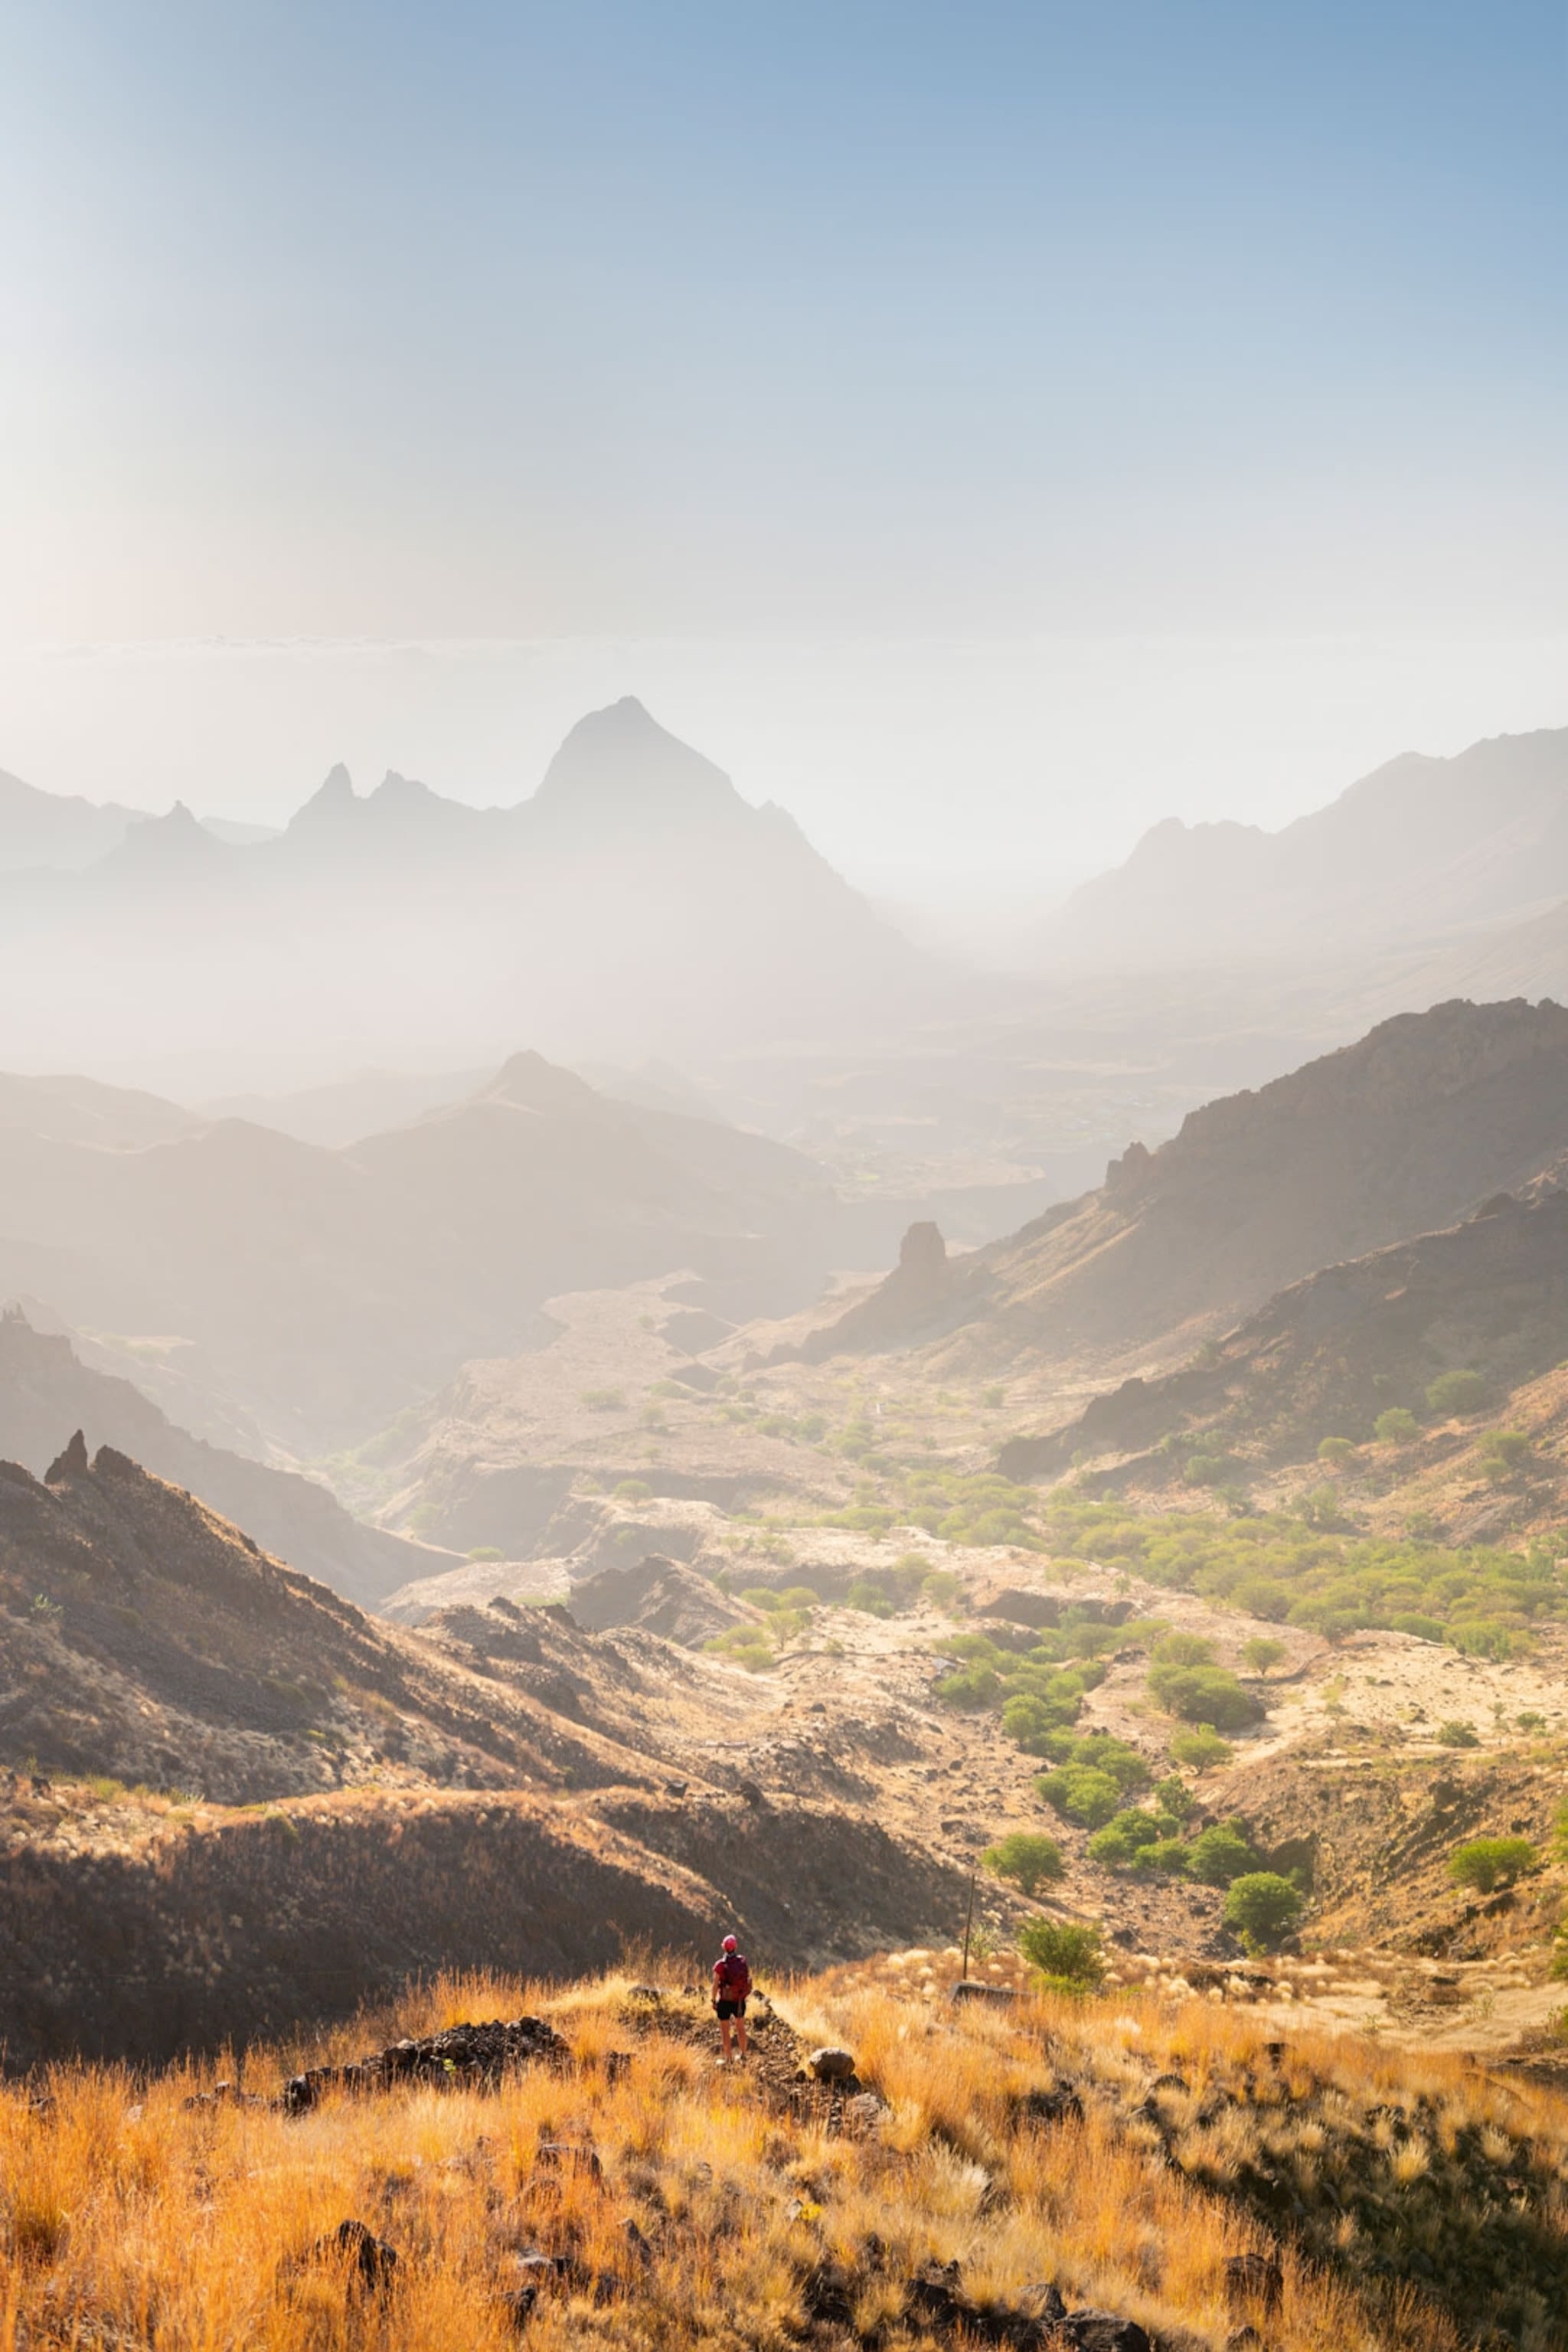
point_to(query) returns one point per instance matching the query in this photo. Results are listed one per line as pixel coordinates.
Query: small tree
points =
(1184, 1650)
(1397, 1426)
(1204, 1694)
(1081, 1794)
(1200, 1748)
(1502, 1451)
(1065, 1953)
(1262, 1907)
(1025, 1857)
(1261, 1652)
(1488, 1863)
(1456, 1393)
(1221, 1854)
(1455, 1734)
(1337, 1450)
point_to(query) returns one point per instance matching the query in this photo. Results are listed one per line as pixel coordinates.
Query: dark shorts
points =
(728, 2009)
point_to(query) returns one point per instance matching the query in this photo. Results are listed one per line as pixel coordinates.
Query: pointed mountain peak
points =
(71, 1463)
(528, 1082)
(620, 762)
(398, 795)
(335, 798)
(155, 839)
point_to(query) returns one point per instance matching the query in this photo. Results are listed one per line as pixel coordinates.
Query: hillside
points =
(1123, 2174)
(636, 903)
(368, 1275)
(1419, 847)
(1324, 1358)
(1413, 1127)
(146, 1644)
(44, 1388)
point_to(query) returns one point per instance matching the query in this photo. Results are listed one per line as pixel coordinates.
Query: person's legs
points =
(724, 2037)
(741, 2029)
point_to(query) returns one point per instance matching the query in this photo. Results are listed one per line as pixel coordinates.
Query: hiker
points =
(731, 1984)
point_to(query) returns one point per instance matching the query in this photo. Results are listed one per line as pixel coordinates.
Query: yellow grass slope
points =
(1121, 2151)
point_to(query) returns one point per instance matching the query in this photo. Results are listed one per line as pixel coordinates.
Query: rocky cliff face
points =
(1325, 1357)
(1400, 1134)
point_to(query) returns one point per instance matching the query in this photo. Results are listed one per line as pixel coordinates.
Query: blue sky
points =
(932, 325)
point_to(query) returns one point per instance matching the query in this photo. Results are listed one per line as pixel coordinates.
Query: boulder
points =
(831, 2065)
(1253, 2282)
(370, 2260)
(1102, 2331)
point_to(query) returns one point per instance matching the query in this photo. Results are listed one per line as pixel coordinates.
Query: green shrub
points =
(1488, 1863)
(1454, 1734)
(1202, 1749)
(868, 1599)
(1031, 1718)
(1411, 1621)
(1116, 1845)
(744, 1645)
(1483, 1637)
(1456, 1393)
(1184, 1650)
(800, 1596)
(1168, 1854)
(1397, 1426)
(971, 1688)
(1026, 1858)
(1262, 1596)
(486, 1551)
(1205, 1469)
(1502, 1451)
(633, 1490)
(1336, 1450)
(1063, 1951)
(1204, 1694)
(1173, 1796)
(1261, 1652)
(1081, 1794)
(1220, 1854)
(1261, 1907)
(1319, 1505)
(601, 1399)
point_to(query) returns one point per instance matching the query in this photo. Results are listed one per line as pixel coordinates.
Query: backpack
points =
(732, 1977)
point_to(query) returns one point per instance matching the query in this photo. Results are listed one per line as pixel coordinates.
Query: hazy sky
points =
(946, 407)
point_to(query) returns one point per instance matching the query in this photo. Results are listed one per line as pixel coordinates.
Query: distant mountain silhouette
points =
(1418, 848)
(63, 831)
(80, 1110)
(1402, 1133)
(39, 829)
(319, 1292)
(635, 905)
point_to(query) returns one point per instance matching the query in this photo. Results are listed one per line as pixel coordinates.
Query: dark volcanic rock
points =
(468, 2054)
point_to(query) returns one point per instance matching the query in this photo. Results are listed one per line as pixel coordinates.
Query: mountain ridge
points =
(1420, 846)
(635, 904)
(1401, 1133)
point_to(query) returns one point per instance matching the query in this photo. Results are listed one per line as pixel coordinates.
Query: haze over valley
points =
(784, 1180)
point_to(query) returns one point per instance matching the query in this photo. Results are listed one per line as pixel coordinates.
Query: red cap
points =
(730, 1944)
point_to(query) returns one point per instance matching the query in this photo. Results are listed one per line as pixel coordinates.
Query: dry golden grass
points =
(128, 2217)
